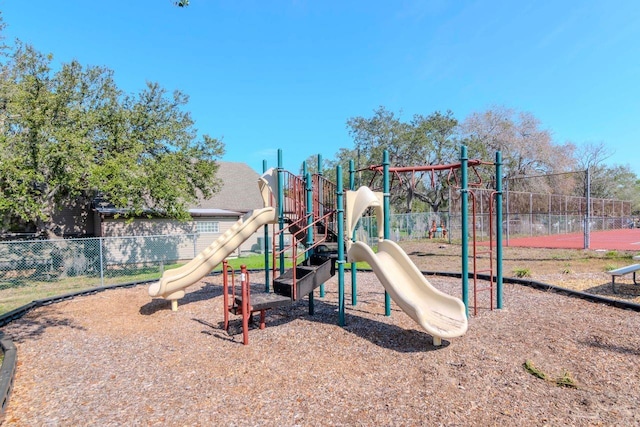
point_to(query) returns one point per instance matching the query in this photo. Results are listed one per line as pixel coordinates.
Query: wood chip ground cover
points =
(121, 358)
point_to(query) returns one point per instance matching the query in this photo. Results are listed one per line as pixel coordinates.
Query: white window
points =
(208, 226)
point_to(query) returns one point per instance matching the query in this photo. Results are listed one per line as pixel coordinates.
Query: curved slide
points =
(173, 282)
(440, 314)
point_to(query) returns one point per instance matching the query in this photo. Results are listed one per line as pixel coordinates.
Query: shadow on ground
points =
(377, 332)
(601, 343)
(624, 291)
(208, 291)
(28, 328)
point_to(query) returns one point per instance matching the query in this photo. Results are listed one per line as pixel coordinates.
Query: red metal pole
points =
(475, 257)
(262, 319)
(225, 292)
(246, 312)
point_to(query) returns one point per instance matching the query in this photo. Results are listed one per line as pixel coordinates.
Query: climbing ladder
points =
(484, 254)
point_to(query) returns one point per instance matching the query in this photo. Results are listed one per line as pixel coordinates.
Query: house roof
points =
(111, 211)
(238, 194)
(213, 212)
(239, 189)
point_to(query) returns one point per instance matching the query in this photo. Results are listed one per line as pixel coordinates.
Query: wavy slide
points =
(440, 314)
(173, 282)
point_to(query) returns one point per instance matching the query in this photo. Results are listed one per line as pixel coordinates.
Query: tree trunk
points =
(49, 230)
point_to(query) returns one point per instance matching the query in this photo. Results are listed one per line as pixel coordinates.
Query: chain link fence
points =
(417, 226)
(32, 270)
(410, 226)
(37, 269)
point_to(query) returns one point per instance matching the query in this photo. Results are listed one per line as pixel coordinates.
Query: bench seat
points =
(621, 272)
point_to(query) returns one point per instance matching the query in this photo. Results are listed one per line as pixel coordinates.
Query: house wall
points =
(97, 224)
(225, 223)
(75, 219)
(205, 239)
(112, 227)
(161, 227)
(128, 246)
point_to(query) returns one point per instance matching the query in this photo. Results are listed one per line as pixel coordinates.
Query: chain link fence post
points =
(101, 263)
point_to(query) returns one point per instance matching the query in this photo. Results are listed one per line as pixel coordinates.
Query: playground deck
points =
(627, 239)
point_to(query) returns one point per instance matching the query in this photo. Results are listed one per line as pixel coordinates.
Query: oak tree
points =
(70, 135)
(423, 140)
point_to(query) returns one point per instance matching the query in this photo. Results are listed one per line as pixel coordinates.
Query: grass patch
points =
(522, 272)
(22, 293)
(566, 380)
(256, 262)
(252, 262)
(530, 368)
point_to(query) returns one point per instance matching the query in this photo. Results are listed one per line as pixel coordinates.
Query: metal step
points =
(263, 301)
(308, 277)
(283, 285)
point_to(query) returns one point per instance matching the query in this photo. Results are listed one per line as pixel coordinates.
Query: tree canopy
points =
(423, 140)
(528, 150)
(72, 134)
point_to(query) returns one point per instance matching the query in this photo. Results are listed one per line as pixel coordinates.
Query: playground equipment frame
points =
(465, 189)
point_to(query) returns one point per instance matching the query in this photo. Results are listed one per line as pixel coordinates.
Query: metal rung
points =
(484, 271)
(484, 253)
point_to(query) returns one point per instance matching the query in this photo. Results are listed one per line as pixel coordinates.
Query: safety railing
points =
(294, 196)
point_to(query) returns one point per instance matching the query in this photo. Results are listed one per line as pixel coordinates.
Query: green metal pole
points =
(387, 215)
(340, 220)
(354, 286)
(464, 227)
(267, 270)
(102, 263)
(499, 229)
(352, 175)
(321, 199)
(309, 194)
(587, 227)
(281, 209)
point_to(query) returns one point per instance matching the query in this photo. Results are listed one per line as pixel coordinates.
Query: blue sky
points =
(288, 74)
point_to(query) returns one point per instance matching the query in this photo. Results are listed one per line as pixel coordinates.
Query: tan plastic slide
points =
(173, 282)
(440, 314)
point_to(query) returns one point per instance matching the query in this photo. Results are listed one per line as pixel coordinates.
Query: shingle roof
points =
(238, 194)
(239, 189)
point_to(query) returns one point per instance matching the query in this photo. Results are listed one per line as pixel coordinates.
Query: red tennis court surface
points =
(627, 239)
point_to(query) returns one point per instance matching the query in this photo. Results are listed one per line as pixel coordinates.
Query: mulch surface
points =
(121, 358)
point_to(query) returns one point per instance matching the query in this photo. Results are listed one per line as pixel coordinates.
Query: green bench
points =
(621, 272)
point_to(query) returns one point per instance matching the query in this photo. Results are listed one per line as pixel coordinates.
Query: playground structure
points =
(310, 209)
(485, 259)
(442, 315)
